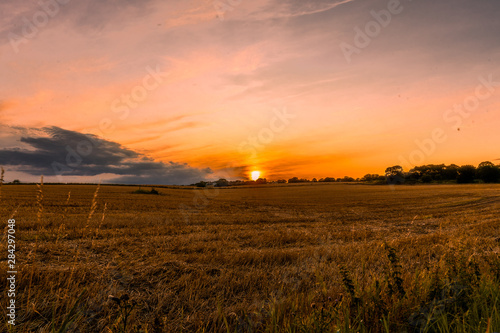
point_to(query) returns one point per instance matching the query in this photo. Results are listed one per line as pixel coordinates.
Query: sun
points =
(255, 175)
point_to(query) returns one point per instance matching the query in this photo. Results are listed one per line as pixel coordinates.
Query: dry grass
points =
(2, 172)
(39, 201)
(307, 258)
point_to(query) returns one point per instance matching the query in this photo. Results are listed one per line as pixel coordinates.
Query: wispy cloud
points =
(295, 8)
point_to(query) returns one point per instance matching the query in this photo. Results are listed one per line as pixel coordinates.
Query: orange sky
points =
(219, 84)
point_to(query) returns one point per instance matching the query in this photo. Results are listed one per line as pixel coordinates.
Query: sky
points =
(173, 92)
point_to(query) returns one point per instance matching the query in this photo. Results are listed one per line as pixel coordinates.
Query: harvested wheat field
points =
(290, 258)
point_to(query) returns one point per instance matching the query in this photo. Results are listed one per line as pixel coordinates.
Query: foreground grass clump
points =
(455, 295)
(313, 258)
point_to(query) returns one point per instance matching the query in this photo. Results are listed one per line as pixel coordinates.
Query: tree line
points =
(485, 172)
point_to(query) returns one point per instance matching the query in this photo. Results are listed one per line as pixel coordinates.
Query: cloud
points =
(300, 7)
(295, 8)
(60, 152)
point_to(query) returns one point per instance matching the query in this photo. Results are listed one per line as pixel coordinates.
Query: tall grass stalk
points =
(62, 226)
(100, 224)
(72, 315)
(66, 206)
(93, 206)
(39, 200)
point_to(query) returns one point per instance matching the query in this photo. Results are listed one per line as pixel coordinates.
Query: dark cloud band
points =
(62, 153)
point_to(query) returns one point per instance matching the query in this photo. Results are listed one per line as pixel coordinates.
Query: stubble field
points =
(291, 258)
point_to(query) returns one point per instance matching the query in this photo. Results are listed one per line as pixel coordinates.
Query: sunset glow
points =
(181, 91)
(255, 175)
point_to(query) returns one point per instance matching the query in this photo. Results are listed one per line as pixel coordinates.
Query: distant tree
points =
(395, 175)
(427, 178)
(485, 164)
(488, 172)
(367, 178)
(297, 180)
(347, 179)
(466, 174)
(16, 181)
(450, 172)
(222, 183)
(414, 174)
(370, 177)
(432, 170)
(327, 180)
(261, 181)
(281, 181)
(436, 171)
(314, 180)
(201, 184)
(394, 171)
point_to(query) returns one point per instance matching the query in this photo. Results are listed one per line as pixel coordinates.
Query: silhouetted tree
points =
(450, 172)
(488, 172)
(367, 178)
(427, 178)
(395, 175)
(466, 174)
(261, 181)
(370, 177)
(327, 180)
(297, 180)
(347, 179)
(221, 183)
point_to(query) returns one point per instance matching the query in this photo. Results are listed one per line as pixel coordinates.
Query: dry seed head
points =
(93, 207)
(104, 212)
(39, 200)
